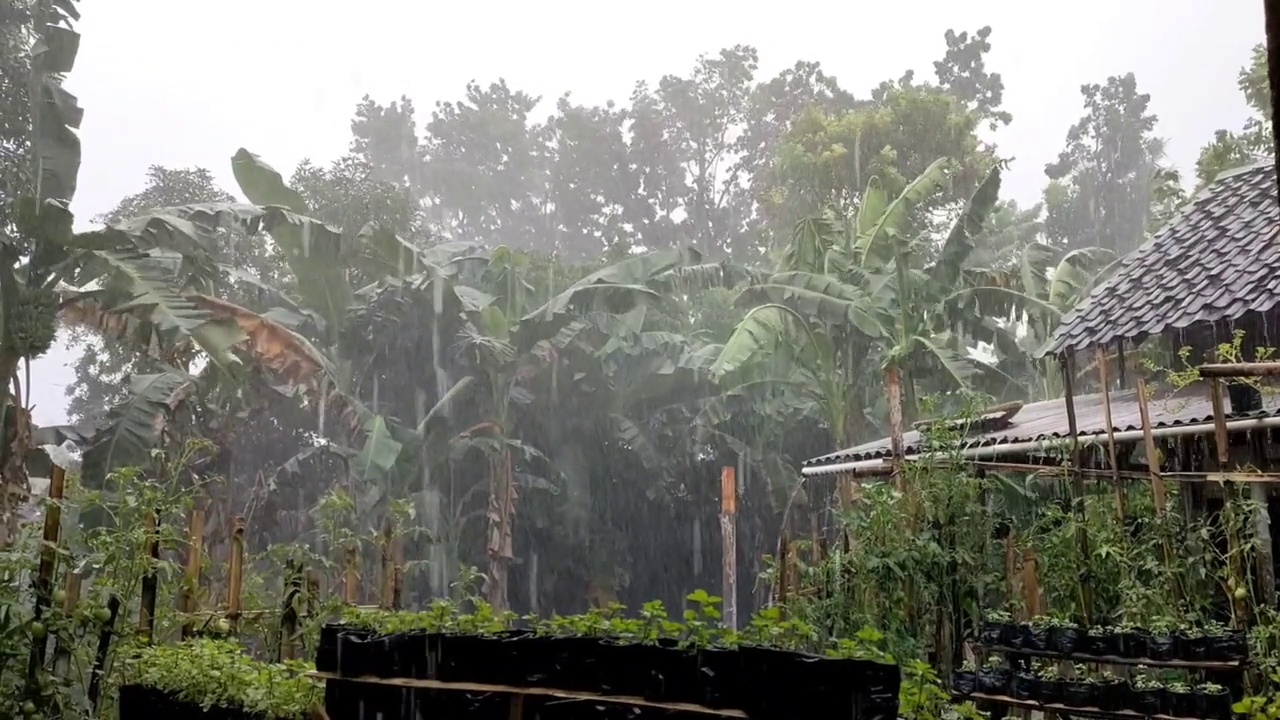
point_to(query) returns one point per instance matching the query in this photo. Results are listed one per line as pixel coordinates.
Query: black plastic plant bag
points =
(992, 634)
(1162, 647)
(1065, 640)
(1035, 638)
(1180, 704)
(1048, 690)
(993, 681)
(964, 682)
(1112, 696)
(1213, 706)
(720, 677)
(1232, 647)
(1021, 686)
(1076, 693)
(1148, 701)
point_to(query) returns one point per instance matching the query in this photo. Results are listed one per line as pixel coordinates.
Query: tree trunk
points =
(16, 422)
(1271, 11)
(500, 515)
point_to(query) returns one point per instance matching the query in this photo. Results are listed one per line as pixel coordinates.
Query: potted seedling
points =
(1162, 642)
(1048, 684)
(1146, 693)
(1022, 685)
(1213, 702)
(1100, 640)
(1193, 644)
(993, 678)
(1111, 691)
(1036, 635)
(1225, 645)
(1131, 641)
(1180, 700)
(998, 629)
(1066, 637)
(965, 680)
(1078, 691)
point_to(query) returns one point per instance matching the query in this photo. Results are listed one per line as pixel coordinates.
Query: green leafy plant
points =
(216, 673)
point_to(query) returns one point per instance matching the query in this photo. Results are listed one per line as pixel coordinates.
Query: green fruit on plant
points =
(28, 708)
(36, 716)
(102, 615)
(222, 626)
(59, 597)
(30, 326)
(1240, 593)
(38, 630)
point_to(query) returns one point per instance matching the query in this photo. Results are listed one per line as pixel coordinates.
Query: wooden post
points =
(189, 603)
(350, 591)
(729, 545)
(1077, 486)
(235, 583)
(1118, 482)
(1221, 441)
(1149, 449)
(289, 611)
(48, 563)
(893, 394)
(782, 575)
(387, 588)
(1157, 480)
(397, 575)
(150, 582)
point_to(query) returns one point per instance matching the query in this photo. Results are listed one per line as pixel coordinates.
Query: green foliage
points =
(217, 673)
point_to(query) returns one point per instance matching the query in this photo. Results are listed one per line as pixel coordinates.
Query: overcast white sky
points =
(183, 83)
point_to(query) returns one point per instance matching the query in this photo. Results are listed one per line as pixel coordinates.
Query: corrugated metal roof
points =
(1217, 260)
(1048, 419)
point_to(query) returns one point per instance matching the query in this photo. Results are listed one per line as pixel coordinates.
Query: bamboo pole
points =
(1111, 435)
(1222, 445)
(1157, 479)
(48, 564)
(195, 556)
(729, 546)
(235, 581)
(1077, 488)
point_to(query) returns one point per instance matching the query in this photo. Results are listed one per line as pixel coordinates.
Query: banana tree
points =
(854, 294)
(31, 258)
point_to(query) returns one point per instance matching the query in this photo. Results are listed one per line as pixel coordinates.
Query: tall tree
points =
(683, 133)
(963, 73)
(386, 137)
(484, 168)
(1253, 142)
(1104, 186)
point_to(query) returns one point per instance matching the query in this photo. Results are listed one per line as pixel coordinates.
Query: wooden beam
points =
(1149, 448)
(1238, 370)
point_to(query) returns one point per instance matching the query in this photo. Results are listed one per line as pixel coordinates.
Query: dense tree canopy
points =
(544, 335)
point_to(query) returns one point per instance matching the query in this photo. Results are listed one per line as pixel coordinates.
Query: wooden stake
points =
(397, 575)
(147, 604)
(387, 588)
(729, 546)
(350, 591)
(1077, 487)
(189, 602)
(289, 611)
(48, 564)
(1111, 434)
(1149, 449)
(62, 650)
(235, 583)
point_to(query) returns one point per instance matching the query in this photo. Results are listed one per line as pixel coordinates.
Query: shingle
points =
(1218, 260)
